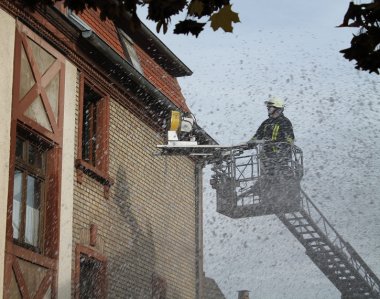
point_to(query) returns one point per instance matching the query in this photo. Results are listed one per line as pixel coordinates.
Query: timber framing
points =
(46, 256)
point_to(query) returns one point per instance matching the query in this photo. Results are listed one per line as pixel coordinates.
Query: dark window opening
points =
(92, 278)
(93, 134)
(159, 287)
(90, 130)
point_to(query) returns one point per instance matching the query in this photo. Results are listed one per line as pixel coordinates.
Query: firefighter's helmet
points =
(275, 102)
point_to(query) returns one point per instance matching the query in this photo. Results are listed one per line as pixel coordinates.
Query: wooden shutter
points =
(102, 132)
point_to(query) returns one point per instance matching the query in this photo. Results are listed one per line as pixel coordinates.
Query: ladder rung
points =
(342, 270)
(312, 239)
(321, 247)
(324, 253)
(301, 225)
(335, 259)
(295, 218)
(336, 267)
(304, 233)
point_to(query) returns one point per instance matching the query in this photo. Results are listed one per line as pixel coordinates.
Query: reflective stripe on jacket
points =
(278, 129)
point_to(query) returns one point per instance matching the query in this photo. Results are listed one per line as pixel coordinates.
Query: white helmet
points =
(275, 102)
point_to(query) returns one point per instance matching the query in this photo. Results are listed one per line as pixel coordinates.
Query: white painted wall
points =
(67, 190)
(7, 38)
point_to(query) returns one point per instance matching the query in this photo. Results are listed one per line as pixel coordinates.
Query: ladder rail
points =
(343, 246)
(356, 258)
(312, 249)
(317, 248)
(328, 229)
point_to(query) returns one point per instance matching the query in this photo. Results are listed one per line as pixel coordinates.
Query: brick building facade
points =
(88, 208)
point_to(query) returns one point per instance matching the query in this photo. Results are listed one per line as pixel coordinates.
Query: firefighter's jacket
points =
(278, 132)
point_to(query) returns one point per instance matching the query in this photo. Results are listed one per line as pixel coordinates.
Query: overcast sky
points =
(288, 49)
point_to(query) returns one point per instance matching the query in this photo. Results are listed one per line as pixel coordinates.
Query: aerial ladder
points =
(244, 189)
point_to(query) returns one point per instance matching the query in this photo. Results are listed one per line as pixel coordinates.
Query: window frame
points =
(48, 239)
(26, 169)
(130, 53)
(99, 171)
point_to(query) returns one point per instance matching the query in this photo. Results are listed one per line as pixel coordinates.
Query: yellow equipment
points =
(180, 123)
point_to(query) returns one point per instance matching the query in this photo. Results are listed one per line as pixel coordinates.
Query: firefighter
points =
(277, 134)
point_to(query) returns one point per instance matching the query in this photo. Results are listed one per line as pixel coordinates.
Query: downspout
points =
(199, 229)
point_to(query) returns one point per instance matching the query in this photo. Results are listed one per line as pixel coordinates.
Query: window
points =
(91, 280)
(159, 287)
(74, 17)
(93, 133)
(130, 51)
(90, 274)
(90, 132)
(94, 128)
(29, 192)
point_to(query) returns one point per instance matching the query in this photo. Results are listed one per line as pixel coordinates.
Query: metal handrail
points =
(242, 165)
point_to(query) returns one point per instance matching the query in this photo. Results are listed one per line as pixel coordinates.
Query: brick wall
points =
(148, 223)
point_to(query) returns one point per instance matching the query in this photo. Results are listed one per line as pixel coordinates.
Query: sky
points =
(288, 49)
